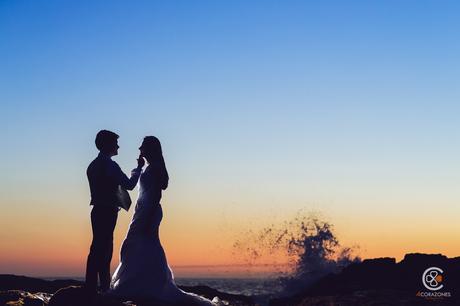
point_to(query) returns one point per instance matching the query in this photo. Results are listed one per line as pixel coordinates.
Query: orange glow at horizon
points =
(57, 248)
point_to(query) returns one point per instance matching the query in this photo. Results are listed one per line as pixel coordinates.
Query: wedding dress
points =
(143, 272)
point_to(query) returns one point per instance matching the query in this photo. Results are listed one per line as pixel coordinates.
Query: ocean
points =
(246, 286)
(236, 285)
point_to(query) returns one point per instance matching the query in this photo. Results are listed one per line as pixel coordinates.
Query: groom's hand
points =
(140, 162)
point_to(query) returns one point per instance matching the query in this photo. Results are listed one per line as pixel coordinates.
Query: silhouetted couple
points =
(143, 272)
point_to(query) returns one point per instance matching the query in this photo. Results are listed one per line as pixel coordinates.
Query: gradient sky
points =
(347, 108)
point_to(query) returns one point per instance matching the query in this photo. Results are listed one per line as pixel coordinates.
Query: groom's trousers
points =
(103, 220)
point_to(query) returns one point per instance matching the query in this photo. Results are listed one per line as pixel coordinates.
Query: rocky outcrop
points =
(38, 292)
(210, 293)
(30, 284)
(381, 281)
(78, 296)
(23, 298)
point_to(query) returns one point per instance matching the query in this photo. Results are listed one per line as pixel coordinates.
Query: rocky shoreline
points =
(380, 281)
(383, 281)
(21, 290)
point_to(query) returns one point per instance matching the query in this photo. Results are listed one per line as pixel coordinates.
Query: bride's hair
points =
(152, 151)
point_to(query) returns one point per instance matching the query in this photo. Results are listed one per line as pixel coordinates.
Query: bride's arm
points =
(123, 180)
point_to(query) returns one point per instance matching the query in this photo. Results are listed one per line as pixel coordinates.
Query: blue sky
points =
(344, 106)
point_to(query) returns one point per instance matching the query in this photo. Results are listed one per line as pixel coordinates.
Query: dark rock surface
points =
(210, 293)
(381, 281)
(30, 284)
(23, 298)
(77, 296)
(38, 292)
(373, 282)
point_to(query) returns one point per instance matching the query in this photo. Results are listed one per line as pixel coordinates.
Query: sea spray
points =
(317, 252)
(307, 245)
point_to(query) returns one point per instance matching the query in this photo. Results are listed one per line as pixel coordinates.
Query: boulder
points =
(22, 298)
(80, 296)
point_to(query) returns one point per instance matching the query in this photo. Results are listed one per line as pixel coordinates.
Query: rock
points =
(22, 298)
(70, 293)
(210, 293)
(380, 281)
(30, 284)
(80, 296)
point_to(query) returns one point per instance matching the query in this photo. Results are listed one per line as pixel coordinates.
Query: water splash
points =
(306, 244)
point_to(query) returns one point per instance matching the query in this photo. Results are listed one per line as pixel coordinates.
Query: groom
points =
(105, 177)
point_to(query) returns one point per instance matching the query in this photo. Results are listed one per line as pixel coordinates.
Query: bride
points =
(143, 272)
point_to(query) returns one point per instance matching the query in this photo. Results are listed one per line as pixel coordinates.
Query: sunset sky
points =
(348, 109)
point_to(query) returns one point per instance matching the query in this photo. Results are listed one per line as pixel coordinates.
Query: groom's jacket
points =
(104, 177)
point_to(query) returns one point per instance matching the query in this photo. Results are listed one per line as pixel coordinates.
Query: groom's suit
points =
(104, 177)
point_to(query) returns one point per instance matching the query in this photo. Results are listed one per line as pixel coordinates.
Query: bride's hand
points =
(140, 162)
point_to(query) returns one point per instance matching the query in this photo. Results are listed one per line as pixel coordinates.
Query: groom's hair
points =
(104, 139)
